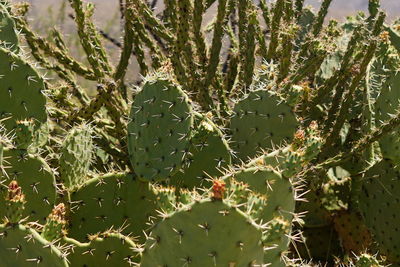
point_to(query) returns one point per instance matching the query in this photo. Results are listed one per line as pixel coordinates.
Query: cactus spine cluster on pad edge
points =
(274, 144)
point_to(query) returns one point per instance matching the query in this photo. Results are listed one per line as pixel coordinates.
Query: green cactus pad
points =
(21, 246)
(269, 182)
(76, 156)
(209, 154)
(8, 34)
(111, 248)
(159, 130)
(113, 200)
(379, 203)
(21, 91)
(36, 180)
(280, 203)
(208, 233)
(261, 121)
(386, 105)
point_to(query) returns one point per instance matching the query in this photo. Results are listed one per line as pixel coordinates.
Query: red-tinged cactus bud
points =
(15, 201)
(218, 189)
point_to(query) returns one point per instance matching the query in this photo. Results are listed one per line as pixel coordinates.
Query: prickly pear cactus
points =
(261, 121)
(378, 202)
(22, 246)
(37, 181)
(212, 160)
(109, 247)
(224, 236)
(21, 91)
(354, 235)
(209, 154)
(120, 201)
(55, 223)
(277, 211)
(8, 34)
(159, 130)
(386, 104)
(15, 203)
(76, 156)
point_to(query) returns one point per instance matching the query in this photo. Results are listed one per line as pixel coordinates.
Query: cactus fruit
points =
(223, 235)
(76, 156)
(37, 181)
(159, 130)
(261, 121)
(114, 200)
(23, 246)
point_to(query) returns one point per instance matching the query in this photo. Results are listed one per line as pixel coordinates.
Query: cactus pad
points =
(269, 182)
(76, 156)
(379, 203)
(159, 130)
(261, 121)
(278, 209)
(354, 235)
(209, 154)
(21, 246)
(111, 248)
(387, 104)
(36, 180)
(114, 200)
(206, 234)
(8, 35)
(21, 91)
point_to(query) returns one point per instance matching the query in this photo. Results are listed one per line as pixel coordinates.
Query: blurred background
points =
(338, 9)
(46, 14)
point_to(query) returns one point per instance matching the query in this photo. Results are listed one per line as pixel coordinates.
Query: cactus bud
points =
(218, 189)
(15, 201)
(55, 223)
